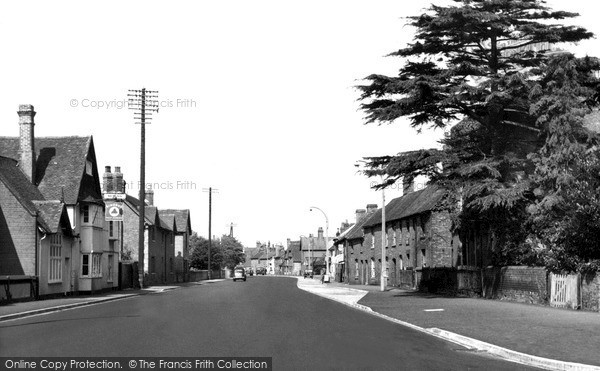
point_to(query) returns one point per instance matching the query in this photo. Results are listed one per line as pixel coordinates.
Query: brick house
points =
(417, 234)
(159, 240)
(337, 253)
(36, 239)
(351, 243)
(182, 232)
(294, 251)
(60, 171)
(314, 251)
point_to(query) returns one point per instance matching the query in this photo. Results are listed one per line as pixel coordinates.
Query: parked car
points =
(308, 273)
(261, 270)
(249, 271)
(239, 273)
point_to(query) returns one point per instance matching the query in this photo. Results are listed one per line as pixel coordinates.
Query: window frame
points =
(55, 259)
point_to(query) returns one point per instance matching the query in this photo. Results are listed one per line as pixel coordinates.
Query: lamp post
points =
(326, 237)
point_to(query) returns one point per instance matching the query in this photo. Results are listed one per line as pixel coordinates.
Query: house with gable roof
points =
(182, 240)
(53, 225)
(417, 236)
(159, 239)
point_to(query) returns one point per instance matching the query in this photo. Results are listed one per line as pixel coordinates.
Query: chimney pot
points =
(119, 184)
(371, 208)
(408, 185)
(360, 214)
(150, 197)
(107, 180)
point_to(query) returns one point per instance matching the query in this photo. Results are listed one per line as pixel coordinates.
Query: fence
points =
(18, 288)
(564, 291)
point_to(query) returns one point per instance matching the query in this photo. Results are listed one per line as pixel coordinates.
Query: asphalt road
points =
(262, 317)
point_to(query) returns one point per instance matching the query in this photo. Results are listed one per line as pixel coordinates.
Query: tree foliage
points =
(488, 73)
(225, 252)
(565, 214)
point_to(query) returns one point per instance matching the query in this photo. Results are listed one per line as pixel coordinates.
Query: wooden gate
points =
(564, 291)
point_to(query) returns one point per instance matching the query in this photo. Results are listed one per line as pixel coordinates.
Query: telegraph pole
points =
(384, 241)
(210, 191)
(143, 102)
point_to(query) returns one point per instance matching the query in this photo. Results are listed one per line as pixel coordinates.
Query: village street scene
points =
(300, 185)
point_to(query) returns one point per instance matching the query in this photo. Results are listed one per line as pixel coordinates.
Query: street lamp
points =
(326, 236)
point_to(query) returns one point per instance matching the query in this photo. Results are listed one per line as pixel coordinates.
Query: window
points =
(423, 225)
(394, 239)
(356, 268)
(152, 265)
(110, 268)
(372, 268)
(85, 265)
(406, 233)
(85, 210)
(408, 262)
(423, 257)
(111, 229)
(151, 232)
(96, 265)
(372, 239)
(55, 261)
(401, 265)
(88, 167)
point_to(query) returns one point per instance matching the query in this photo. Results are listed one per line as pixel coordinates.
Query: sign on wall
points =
(114, 211)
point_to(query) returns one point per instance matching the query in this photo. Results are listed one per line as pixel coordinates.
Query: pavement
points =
(533, 335)
(30, 308)
(539, 336)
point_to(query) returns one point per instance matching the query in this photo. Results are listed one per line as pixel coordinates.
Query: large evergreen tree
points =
(475, 70)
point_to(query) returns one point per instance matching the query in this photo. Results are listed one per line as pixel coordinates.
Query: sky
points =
(256, 98)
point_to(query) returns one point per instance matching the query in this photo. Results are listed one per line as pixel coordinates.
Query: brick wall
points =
(18, 231)
(131, 224)
(521, 284)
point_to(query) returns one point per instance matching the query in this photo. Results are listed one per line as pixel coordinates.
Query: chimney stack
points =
(107, 180)
(360, 214)
(371, 208)
(150, 197)
(408, 185)
(320, 233)
(26, 141)
(118, 184)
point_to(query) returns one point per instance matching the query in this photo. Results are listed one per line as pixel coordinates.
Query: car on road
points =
(308, 273)
(239, 273)
(261, 270)
(249, 271)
